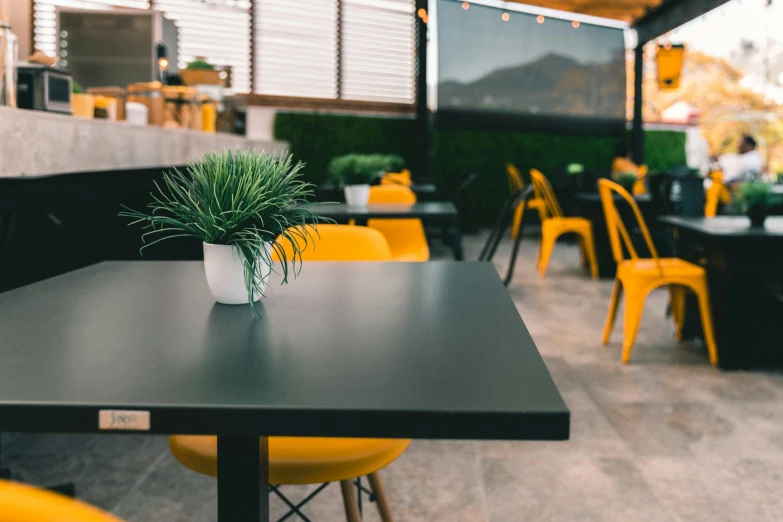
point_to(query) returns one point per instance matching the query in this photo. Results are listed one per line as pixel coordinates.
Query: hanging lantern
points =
(669, 59)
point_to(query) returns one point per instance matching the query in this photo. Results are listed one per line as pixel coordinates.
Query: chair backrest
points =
(543, 190)
(397, 178)
(514, 178)
(392, 194)
(714, 193)
(618, 233)
(336, 243)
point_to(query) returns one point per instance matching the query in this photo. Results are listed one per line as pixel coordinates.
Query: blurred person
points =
(743, 166)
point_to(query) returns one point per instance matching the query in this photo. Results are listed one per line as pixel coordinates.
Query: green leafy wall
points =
(316, 138)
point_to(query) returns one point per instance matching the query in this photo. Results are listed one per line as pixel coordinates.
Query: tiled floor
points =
(666, 438)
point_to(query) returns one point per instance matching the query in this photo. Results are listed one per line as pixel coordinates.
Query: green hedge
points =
(317, 138)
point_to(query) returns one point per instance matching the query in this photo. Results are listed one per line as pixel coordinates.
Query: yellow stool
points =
(637, 277)
(23, 503)
(555, 225)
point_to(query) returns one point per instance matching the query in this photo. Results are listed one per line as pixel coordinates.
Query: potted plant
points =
(238, 203)
(82, 104)
(355, 172)
(754, 199)
(200, 72)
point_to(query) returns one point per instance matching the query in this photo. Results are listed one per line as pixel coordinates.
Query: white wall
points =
(21, 16)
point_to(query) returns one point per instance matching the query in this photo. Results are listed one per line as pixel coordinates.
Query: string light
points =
(505, 17)
(575, 24)
(422, 13)
(540, 19)
(465, 6)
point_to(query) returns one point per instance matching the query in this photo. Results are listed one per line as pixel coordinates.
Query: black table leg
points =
(456, 242)
(243, 479)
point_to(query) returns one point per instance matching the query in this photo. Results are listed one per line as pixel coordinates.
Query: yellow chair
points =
(397, 178)
(717, 193)
(637, 277)
(555, 224)
(315, 460)
(338, 243)
(640, 187)
(23, 503)
(406, 237)
(515, 182)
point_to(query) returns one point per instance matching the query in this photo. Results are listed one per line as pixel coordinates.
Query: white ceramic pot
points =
(357, 195)
(226, 273)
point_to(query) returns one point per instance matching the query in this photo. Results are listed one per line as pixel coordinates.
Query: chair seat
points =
(23, 503)
(671, 267)
(298, 460)
(406, 238)
(567, 223)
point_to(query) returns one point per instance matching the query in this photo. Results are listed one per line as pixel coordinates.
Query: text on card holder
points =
(132, 420)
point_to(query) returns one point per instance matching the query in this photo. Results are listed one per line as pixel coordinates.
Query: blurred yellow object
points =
(555, 224)
(638, 277)
(716, 194)
(339, 243)
(208, 116)
(315, 460)
(515, 182)
(640, 187)
(406, 237)
(397, 178)
(83, 106)
(669, 60)
(23, 503)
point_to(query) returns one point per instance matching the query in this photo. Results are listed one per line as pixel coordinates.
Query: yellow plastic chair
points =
(716, 194)
(406, 237)
(315, 460)
(637, 277)
(397, 178)
(515, 182)
(555, 224)
(23, 503)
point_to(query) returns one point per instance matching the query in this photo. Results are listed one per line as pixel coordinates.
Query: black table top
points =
(594, 197)
(421, 350)
(417, 188)
(435, 209)
(727, 226)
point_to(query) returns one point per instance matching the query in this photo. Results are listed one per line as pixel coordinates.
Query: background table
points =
(441, 213)
(746, 285)
(407, 350)
(423, 191)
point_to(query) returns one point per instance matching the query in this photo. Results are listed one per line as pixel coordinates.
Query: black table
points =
(424, 192)
(588, 206)
(440, 213)
(402, 350)
(746, 285)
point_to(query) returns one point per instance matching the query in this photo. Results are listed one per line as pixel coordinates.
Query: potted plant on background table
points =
(241, 204)
(355, 173)
(754, 198)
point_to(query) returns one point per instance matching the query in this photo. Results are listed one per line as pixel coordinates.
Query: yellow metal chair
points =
(397, 178)
(23, 503)
(315, 460)
(640, 187)
(515, 182)
(555, 224)
(716, 194)
(637, 277)
(406, 237)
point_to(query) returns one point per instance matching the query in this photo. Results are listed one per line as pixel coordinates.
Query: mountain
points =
(550, 84)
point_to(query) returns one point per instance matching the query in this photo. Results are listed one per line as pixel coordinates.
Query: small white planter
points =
(357, 195)
(226, 273)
